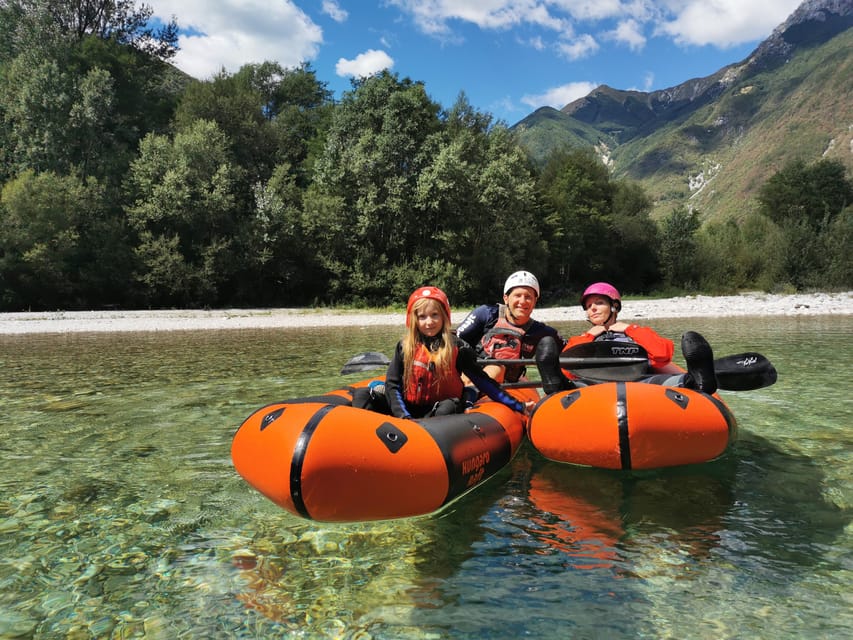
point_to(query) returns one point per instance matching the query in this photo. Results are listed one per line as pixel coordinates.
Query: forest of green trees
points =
(126, 184)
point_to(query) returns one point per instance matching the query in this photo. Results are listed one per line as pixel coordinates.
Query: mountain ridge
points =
(671, 140)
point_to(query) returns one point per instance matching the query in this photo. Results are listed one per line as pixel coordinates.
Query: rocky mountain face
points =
(791, 98)
(814, 22)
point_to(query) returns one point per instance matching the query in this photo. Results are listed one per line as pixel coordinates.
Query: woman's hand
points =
(618, 327)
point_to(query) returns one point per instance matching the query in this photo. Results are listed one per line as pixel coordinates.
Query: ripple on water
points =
(121, 514)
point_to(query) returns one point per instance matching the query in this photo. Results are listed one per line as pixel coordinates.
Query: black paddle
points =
(365, 362)
(605, 360)
(739, 372)
(744, 372)
(622, 367)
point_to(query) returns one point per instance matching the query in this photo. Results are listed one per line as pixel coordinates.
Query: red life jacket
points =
(425, 386)
(504, 340)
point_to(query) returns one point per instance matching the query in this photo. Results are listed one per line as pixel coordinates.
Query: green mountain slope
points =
(711, 142)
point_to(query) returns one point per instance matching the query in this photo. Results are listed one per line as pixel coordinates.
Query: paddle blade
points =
(606, 360)
(620, 370)
(365, 362)
(744, 372)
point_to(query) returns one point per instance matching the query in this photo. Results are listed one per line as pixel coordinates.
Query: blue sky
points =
(510, 57)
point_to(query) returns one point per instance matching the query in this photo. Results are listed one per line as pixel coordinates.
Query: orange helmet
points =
(433, 293)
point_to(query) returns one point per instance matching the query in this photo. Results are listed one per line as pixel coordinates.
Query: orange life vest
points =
(426, 386)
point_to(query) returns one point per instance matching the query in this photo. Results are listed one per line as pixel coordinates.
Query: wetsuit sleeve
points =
(394, 391)
(466, 362)
(474, 326)
(660, 349)
(576, 340)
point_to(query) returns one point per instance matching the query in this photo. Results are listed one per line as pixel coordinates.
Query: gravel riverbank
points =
(745, 304)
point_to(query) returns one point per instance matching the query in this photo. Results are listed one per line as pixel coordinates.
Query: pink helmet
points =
(433, 293)
(603, 289)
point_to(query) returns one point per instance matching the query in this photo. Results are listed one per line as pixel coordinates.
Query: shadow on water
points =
(367, 578)
(781, 511)
(594, 538)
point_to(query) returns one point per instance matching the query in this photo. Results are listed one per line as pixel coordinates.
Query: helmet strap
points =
(508, 312)
(610, 317)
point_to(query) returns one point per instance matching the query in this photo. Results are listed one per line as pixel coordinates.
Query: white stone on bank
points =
(745, 304)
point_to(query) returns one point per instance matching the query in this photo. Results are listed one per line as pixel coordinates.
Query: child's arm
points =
(467, 363)
(394, 392)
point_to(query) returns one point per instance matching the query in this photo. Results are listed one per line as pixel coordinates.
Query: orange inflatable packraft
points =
(631, 425)
(322, 459)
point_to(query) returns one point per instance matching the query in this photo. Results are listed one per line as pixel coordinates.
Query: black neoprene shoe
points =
(548, 362)
(700, 363)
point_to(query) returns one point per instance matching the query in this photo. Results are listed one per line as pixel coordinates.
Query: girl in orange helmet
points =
(424, 376)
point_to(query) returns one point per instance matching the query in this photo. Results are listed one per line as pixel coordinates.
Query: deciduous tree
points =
(50, 230)
(124, 21)
(183, 206)
(678, 248)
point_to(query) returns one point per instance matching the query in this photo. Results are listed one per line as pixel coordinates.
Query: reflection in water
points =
(596, 517)
(121, 515)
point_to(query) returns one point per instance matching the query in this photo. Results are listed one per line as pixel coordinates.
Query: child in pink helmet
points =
(602, 303)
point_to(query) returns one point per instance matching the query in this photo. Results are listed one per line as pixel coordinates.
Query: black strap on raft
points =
(465, 469)
(299, 458)
(622, 425)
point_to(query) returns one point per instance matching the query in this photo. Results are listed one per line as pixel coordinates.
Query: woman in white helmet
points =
(507, 331)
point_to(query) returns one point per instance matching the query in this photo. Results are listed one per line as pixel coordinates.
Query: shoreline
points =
(698, 306)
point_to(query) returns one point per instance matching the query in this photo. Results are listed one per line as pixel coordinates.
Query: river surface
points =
(121, 515)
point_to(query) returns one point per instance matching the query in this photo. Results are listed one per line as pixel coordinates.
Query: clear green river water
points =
(121, 515)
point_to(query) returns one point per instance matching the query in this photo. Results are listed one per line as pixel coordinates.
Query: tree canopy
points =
(124, 182)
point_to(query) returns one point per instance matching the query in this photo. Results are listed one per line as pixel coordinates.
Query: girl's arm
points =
(467, 363)
(394, 392)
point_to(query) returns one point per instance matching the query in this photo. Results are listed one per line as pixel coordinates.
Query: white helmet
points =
(521, 279)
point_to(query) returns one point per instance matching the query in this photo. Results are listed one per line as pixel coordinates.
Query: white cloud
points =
(332, 9)
(365, 64)
(536, 43)
(592, 9)
(726, 23)
(719, 23)
(648, 83)
(581, 47)
(433, 16)
(629, 32)
(559, 97)
(504, 104)
(231, 34)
